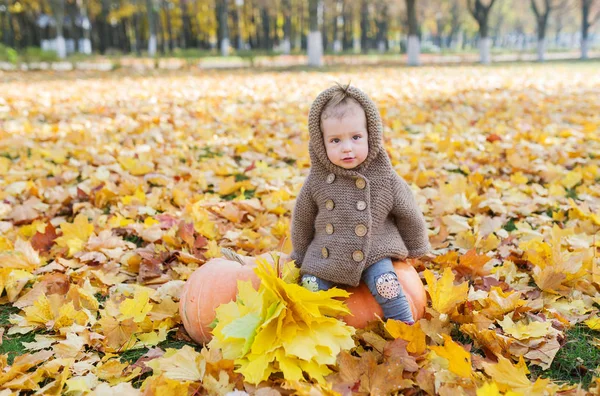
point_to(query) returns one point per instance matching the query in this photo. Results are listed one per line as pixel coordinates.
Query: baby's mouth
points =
(348, 159)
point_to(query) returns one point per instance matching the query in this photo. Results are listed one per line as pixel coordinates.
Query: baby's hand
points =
(428, 257)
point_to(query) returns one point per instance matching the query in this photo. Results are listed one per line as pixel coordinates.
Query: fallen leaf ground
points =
(116, 187)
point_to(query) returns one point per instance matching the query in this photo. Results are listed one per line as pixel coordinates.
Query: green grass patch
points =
(576, 361)
(13, 345)
(5, 311)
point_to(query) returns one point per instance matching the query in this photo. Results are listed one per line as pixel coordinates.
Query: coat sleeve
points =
(409, 219)
(303, 223)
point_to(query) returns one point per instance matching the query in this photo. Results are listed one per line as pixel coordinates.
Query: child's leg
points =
(385, 287)
(314, 283)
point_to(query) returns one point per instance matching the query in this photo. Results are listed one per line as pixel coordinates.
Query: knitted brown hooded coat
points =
(347, 219)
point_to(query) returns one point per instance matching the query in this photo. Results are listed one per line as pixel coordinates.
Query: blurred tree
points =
(382, 23)
(223, 13)
(186, 34)
(151, 11)
(315, 42)
(287, 26)
(542, 13)
(58, 10)
(413, 33)
(166, 11)
(481, 13)
(588, 19)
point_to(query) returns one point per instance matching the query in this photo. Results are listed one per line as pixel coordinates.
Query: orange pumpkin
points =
(211, 285)
(364, 307)
(215, 283)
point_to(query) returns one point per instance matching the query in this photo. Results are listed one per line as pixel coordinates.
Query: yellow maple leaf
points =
(162, 385)
(74, 236)
(136, 307)
(136, 167)
(40, 312)
(282, 327)
(183, 364)
(459, 360)
(411, 333)
(521, 330)
(493, 341)
(593, 323)
(445, 296)
(14, 282)
(501, 302)
(491, 389)
(139, 197)
(202, 223)
(514, 377)
(119, 335)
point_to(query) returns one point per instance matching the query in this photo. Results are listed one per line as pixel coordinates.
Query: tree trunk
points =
(337, 29)
(186, 23)
(324, 35)
(167, 12)
(103, 27)
(86, 47)
(136, 30)
(382, 19)
(286, 45)
(7, 34)
(237, 25)
(58, 9)
(223, 28)
(364, 26)
(454, 24)
(542, 23)
(414, 47)
(266, 24)
(586, 5)
(151, 27)
(481, 13)
(315, 42)
(160, 29)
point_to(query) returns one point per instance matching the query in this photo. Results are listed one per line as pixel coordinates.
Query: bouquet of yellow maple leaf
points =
(282, 327)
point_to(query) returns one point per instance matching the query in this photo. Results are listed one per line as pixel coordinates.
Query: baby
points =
(354, 213)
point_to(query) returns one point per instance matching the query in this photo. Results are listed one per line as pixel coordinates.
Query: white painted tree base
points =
(585, 44)
(485, 45)
(381, 46)
(413, 50)
(152, 45)
(225, 47)
(541, 50)
(315, 49)
(286, 46)
(86, 46)
(356, 45)
(61, 47)
(337, 46)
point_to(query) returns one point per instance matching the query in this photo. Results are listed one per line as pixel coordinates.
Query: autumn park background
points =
(140, 137)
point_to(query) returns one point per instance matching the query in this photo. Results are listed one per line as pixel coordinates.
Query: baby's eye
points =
(335, 140)
(356, 137)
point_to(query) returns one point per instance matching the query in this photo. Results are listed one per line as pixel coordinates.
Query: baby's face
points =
(346, 139)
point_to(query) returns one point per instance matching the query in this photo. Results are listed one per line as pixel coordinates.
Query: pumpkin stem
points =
(231, 255)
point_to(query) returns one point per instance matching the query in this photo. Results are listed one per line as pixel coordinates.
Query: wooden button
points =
(358, 256)
(329, 204)
(324, 252)
(330, 178)
(361, 205)
(360, 230)
(329, 229)
(361, 183)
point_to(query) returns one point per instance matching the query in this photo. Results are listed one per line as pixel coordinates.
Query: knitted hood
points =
(317, 151)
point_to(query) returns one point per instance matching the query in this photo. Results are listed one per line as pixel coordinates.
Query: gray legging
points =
(383, 284)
